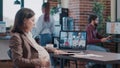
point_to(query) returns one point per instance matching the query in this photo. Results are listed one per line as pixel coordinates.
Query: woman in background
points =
(26, 53)
(44, 26)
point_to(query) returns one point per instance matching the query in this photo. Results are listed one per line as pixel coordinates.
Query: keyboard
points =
(115, 40)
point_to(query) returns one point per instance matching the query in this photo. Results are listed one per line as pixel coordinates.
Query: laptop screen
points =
(72, 40)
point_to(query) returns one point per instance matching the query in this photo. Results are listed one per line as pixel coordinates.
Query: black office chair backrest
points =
(9, 53)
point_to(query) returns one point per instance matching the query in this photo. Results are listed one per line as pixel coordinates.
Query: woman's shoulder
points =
(17, 35)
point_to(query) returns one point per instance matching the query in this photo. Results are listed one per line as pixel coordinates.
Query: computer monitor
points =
(57, 29)
(113, 27)
(72, 40)
(2, 27)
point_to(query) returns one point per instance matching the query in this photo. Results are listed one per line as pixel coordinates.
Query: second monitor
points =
(113, 27)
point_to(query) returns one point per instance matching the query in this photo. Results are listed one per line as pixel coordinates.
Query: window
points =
(8, 5)
(9, 11)
(35, 5)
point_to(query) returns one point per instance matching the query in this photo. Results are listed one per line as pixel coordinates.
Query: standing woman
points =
(26, 53)
(44, 26)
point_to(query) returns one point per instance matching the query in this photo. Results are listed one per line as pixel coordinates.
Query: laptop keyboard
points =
(115, 39)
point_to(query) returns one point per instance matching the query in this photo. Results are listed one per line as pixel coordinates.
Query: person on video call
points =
(26, 53)
(44, 26)
(93, 37)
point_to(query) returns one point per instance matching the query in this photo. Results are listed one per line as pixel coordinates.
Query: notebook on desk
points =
(72, 40)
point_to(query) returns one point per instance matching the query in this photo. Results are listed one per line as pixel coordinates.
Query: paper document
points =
(87, 55)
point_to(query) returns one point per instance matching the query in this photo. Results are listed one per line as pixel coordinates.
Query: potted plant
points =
(98, 8)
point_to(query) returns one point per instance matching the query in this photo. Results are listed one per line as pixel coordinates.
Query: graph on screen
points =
(113, 27)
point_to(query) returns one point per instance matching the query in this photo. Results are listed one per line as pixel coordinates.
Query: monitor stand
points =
(82, 52)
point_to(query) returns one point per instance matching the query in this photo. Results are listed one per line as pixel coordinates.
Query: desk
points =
(4, 47)
(116, 43)
(108, 58)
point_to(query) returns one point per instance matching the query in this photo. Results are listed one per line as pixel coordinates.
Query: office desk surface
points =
(116, 41)
(4, 47)
(93, 56)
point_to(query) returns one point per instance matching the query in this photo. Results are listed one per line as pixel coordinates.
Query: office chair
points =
(10, 56)
(9, 53)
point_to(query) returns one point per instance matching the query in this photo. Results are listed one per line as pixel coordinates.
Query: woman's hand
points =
(59, 52)
(45, 64)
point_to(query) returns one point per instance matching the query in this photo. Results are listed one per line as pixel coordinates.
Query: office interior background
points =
(78, 10)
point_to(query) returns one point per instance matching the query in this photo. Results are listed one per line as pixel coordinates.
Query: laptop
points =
(72, 40)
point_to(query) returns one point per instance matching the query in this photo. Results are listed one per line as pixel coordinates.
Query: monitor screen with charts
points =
(2, 27)
(113, 27)
(72, 40)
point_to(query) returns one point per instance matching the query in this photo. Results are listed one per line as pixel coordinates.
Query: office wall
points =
(80, 9)
(1, 10)
(118, 9)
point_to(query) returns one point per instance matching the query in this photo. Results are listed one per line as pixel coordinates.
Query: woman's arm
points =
(54, 50)
(50, 49)
(17, 53)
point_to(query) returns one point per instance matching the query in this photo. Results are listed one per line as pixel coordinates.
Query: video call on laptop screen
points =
(72, 40)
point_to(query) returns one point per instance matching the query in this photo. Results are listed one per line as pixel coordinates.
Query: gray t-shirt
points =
(43, 27)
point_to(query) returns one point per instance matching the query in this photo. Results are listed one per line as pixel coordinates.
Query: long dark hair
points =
(19, 25)
(46, 6)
